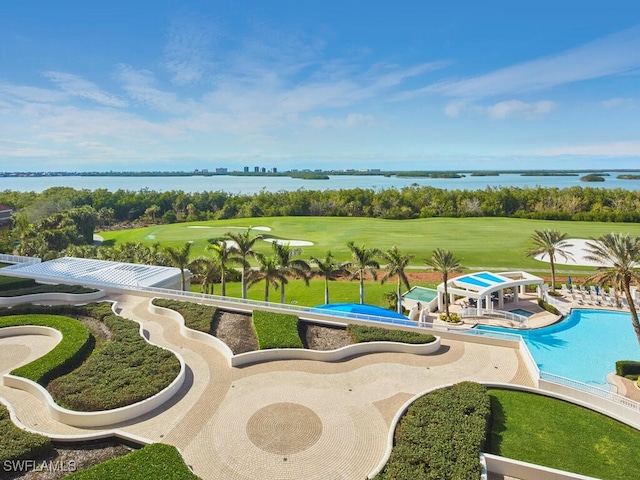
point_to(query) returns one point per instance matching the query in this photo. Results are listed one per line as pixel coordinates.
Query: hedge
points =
(76, 344)
(361, 333)
(18, 444)
(196, 316)
(14, 283)
(548, 307)
(441, 435)
(276, 330)
(628, 369)
(60, 288)
(157, 460)
(124, 371)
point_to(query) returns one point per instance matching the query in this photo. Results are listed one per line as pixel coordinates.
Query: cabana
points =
(483, 287)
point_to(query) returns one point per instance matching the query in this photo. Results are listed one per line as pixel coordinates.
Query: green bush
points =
(276, 330)
(153, 461)
(196, 316)
(441, 436)
(548, 307)
(452, 318)
(124, 371)
(60, 288)
(361, 333)
(76, 344)
(18, 444)
(14, 283)
(628, 368)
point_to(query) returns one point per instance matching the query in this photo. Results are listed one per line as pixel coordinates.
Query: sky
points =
(405, 85)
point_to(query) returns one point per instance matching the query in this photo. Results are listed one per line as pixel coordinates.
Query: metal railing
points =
(562, 306)
(483, 312)
(17, 259)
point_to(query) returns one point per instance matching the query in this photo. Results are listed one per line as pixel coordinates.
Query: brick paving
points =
(330, 420)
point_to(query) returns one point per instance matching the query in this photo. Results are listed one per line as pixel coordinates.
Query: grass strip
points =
(550, 432)
(361, 333)
(196, 316)
(14, 283)
(276, 330)
(441, 435)
(76, 344)
(18, 444)
(157, 460)
(126, 370)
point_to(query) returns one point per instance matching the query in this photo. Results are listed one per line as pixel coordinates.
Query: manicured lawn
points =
(556, 434)
(478, 242)
(276, 330)
(17, 444)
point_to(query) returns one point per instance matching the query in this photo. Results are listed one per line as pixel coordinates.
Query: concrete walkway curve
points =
(287, 419)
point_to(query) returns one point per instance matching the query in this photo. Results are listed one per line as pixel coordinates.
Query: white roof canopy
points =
(481, 284)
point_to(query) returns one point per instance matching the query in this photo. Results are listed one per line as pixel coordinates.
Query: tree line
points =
(148, 206)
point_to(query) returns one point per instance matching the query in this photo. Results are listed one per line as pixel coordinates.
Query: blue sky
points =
(166, 85)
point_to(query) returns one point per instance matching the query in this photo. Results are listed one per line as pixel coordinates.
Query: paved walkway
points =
(285, 419)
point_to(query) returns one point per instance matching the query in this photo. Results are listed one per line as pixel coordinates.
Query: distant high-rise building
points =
(221, 170)
(263, 170)
(275, 170)
(256, 169)
(246, 169)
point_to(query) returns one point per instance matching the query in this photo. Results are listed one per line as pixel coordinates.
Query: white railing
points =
(15, 259)
(483, 312)
(593, 390)
(562, 306)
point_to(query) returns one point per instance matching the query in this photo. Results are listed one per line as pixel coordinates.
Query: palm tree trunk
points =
(182, 279)
(266, 291)
(361, 288)
(244, 284)
(553, 274)
(326, 290)
(399, 297)
(282, 292)
(223, 284)
(632, 310)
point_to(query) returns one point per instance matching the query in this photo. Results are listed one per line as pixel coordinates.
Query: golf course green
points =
(491, 243)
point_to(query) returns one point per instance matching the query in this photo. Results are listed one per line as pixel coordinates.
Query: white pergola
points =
(482, 285)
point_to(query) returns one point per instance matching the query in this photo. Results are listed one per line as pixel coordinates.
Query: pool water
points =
(520, 311)
(584, 346)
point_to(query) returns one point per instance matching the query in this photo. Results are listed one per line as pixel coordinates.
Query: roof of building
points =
(479, 284)
(85, 271)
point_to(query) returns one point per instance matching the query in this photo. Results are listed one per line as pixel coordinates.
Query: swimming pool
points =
(585, 346)
(522, 311)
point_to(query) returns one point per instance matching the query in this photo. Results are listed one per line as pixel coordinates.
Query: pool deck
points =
(282, 419)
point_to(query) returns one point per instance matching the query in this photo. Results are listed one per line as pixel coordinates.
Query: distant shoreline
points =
(315, 174)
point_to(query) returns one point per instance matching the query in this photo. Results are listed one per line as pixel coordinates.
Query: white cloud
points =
(617, 102)
(10, 93)
(186, 54)
(350, 121)
(454, 109)
(612, 149)
(140, 86)
(615, 54)
(517, 108)
(79, 87)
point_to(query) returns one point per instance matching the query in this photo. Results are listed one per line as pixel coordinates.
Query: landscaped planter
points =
(52, 297)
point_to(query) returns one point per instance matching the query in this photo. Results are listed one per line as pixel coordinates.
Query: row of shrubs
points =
(18, 444)
(361, 333)
(196, 316)
(15, 283)
(548, 307)
(441, 435)
(38, 288)
(628, 369)
(76, 345)
(125, 370)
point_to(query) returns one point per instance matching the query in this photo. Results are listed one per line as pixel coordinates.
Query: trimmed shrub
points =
(18, 444)
(452, 318)
(196, 316)
(76, 344)
(60, 288)
(548, 307)
(628, 368)
(361, 333)
(124, 371)
(441, 435)
(157, 460)
(276, 330)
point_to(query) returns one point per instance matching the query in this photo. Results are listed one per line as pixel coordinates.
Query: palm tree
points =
(364, 263)
(551, 243)
(223, 256)
(397, 262)
(289, 266)
(329, 269)
(179, 258)
(267, 271)
(207, 272)
(243, 247)
(444, 262)
(622, 253)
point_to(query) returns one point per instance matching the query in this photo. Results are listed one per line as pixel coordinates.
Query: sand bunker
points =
(291, 243)
(200, 226)
(263, 229)
(579, 253)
